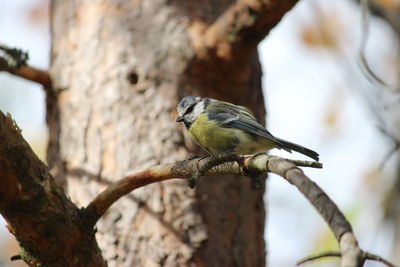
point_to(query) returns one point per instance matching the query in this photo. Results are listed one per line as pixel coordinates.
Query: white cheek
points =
(198, 109)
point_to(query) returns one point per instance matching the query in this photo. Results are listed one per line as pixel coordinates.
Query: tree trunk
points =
(119, 69)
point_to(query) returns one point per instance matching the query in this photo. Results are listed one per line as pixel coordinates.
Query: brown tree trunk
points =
(118, 69)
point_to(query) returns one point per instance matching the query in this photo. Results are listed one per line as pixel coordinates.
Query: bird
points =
(221, 127)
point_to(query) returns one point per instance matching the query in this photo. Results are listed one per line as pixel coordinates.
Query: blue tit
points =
(221, 128)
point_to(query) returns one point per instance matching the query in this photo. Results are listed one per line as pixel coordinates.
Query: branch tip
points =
(307, 163)
(373, 257)
(16, 258)
(15, 61)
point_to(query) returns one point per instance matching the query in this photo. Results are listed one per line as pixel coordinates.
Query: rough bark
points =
(118, 70)
(47, 225)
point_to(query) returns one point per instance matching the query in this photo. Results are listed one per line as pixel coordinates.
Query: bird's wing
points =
(233, 116)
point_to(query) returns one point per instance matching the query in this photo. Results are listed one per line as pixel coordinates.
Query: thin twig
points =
(307, 163)
(373, 257)
(365, 255)
(319, 256)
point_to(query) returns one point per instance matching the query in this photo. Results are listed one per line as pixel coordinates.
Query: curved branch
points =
(181, 169)
(242, 26)
(324, 205)
(319, 256)
(190, 168)
(351, 254)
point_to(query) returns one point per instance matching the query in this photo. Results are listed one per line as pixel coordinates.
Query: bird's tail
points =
(288, 146)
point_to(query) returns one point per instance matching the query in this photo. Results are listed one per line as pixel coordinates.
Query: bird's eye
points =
(190, 109)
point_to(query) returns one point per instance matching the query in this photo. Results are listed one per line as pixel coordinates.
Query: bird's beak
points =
(179, 119)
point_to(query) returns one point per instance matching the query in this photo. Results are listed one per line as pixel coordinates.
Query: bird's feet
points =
(192, 157)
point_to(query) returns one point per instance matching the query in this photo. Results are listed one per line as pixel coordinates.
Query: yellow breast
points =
(209, 135)
(217, 140)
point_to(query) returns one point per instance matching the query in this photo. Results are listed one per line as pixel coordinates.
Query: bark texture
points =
(47, 225)
(118, 70)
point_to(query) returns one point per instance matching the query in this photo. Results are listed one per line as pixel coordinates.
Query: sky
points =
(312, 97)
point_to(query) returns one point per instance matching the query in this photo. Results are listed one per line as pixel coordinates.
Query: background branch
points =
(241, 27)
(14, 61)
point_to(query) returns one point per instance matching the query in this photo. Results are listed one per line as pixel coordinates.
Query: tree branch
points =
(14, 61)
(351, 254)
(242, 26)
(377, 258)
(31, 74)
(181, 170)
(191, 168)
(48, 226)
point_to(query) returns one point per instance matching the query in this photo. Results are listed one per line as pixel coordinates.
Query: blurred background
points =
(317, 94)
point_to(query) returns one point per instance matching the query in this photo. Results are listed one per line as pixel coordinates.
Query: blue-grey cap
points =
(186, 102)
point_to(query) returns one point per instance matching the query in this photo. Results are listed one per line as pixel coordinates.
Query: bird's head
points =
(189, 108)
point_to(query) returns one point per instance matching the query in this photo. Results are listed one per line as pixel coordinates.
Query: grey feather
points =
(231, 116)
(239, 117)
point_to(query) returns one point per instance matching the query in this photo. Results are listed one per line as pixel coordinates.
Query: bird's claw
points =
(192, 182)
